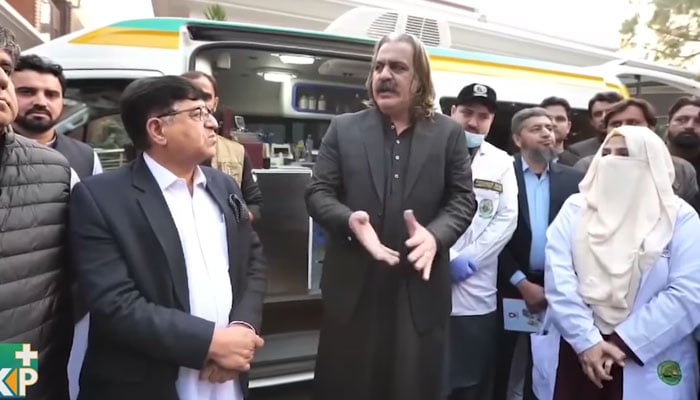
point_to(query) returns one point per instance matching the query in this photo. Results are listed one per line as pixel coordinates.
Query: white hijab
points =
(628, 220)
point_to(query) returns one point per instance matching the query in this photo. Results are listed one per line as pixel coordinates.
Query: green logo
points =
(19, 369)
(486, 209)
(670, 373)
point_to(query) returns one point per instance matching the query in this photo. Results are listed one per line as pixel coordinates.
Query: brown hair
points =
(8, 44)
(620, 106)
(682, 102)
(424, 102)
(603, 97)
(194, 75)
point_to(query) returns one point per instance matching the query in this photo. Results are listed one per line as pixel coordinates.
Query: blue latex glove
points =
(461, 268)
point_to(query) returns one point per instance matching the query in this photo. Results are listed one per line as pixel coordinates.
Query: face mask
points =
(474, 139)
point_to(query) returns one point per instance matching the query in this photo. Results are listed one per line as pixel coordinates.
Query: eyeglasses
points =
(200, 113)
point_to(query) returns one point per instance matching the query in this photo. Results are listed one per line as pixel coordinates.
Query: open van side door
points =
(660, 88)
(241, 58)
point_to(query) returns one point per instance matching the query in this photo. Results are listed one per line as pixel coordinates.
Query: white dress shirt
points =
(96, 165)
(202, 230)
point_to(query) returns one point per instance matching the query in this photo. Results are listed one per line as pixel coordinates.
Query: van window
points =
(284, 96)
(105, 131)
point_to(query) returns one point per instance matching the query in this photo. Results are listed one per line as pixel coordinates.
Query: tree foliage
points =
(215, 13)
(675, 23)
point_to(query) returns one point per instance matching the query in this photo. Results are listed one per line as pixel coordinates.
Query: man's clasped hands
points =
(231, 352)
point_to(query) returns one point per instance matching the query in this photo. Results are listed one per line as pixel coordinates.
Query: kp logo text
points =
(19, 369)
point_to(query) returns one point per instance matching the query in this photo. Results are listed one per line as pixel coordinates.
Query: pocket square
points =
(240, 210)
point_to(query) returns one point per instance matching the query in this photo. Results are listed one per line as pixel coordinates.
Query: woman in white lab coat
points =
(622, 282)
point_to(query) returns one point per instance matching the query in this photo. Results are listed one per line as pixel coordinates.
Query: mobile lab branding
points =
(19, 369)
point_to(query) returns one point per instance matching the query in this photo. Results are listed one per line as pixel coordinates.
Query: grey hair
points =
(516, 124)
(8, 43)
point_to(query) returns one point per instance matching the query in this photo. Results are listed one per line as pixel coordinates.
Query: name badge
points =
(488, 185)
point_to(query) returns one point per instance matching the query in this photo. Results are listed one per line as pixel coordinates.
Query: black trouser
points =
(507, 341)
(471, 356)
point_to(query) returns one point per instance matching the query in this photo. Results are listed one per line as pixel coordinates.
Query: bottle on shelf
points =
(322, 103)
(299, 151)
(312, 102)
(303, 102)
(308, 147)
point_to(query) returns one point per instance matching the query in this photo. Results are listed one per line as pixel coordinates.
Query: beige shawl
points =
(628, 220)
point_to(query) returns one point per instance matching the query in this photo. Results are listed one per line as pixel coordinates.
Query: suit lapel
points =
(220, 195)
(421, 145)
(556, 197)
(522, 191)
(157, 213)
(373, 138)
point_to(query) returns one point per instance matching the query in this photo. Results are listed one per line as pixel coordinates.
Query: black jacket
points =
(80, 156)
(563, 182)
(35, 303)
(349, 175)
(131, 271)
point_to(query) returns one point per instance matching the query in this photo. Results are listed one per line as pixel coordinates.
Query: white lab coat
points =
(659, 329)
(492, 227)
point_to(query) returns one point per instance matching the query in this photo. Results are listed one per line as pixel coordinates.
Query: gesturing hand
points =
(423, 244)
(365, 234)
(596, 362)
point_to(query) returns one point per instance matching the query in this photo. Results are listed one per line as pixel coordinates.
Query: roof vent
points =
(374, 23)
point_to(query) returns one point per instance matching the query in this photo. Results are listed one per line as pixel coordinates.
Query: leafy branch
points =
(215, 13)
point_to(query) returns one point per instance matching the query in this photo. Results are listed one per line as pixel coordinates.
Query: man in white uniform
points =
(474, 257)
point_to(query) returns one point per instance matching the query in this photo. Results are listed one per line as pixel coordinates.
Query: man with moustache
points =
(543, 186)
(392, 188)
(34, 191)
(559, 111)
(597, 107)
(40, 86)
(683, 134)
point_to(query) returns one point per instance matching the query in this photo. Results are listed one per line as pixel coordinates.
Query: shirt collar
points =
(52, 142)
(526, 167)
(165, 178)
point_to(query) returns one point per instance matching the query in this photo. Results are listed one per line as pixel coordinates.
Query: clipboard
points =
(516, 317)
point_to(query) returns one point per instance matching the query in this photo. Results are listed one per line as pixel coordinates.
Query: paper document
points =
(516, 317)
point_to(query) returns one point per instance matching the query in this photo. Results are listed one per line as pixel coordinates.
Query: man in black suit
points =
(543, 186)
(166, 259)
(386, 279)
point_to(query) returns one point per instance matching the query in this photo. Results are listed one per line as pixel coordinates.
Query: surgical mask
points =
(474, 139)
